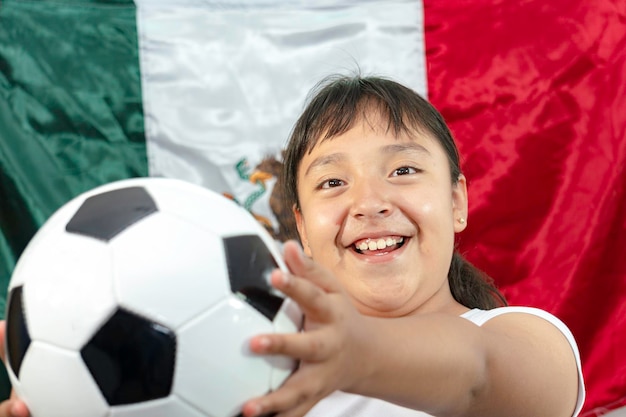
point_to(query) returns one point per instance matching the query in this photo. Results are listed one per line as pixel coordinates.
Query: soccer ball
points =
(138, 298)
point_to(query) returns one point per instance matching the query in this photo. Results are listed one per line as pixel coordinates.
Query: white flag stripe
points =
(225, 82)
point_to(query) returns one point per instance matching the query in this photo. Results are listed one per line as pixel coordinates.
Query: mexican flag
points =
(207, 91)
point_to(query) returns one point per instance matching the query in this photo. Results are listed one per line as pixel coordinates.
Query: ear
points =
(459, 204)
(301, 230)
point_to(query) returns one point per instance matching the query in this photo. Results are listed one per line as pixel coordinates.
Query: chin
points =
(383, 308)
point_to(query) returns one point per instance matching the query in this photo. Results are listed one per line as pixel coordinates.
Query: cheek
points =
(426, 209)
(320, 212)
(321, 224)
(434, 210)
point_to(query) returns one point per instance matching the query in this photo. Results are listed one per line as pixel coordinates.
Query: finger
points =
(5, 408)
(312, 346)
(3, 327)
(13, 408)
(289, 400)
(19, 409)
(313, 301)
(302, 266)
(300, 409)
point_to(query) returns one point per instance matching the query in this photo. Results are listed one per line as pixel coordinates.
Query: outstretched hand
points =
(12, 407)
(327, 348)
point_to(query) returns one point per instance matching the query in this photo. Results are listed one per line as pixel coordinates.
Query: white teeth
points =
(379, 244)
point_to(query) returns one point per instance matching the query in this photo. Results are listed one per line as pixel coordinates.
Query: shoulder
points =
(480, 317)
(516, 318)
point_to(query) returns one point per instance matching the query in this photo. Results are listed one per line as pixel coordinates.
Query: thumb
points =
(13, 408)
(3, 327)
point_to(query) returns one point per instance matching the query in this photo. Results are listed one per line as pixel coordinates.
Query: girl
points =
(397, 323)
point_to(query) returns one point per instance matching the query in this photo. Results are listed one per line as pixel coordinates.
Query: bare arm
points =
(516, 365)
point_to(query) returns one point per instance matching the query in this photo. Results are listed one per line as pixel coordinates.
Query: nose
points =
(370, 199)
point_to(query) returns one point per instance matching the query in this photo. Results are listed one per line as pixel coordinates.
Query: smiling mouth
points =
(380, 245)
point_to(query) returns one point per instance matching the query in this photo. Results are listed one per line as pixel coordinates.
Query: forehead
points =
(371, 125)
(371, 142)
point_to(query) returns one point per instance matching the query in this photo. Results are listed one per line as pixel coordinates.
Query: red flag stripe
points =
(535, 93)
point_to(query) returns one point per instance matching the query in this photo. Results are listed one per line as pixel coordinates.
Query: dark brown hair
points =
(335, 105)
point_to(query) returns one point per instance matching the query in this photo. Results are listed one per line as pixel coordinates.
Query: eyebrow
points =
(325, 160)
(410, 147)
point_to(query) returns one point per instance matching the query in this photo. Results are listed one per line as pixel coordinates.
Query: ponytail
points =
(472, 287)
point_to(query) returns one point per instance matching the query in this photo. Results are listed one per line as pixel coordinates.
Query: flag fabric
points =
(247, 70)
(207, 91)
(71, 115)
(536, 96)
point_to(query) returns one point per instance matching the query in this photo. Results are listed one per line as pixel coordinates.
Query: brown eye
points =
(404, 171)
(331, 183)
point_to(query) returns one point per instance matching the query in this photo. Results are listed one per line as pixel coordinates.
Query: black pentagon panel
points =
(104, 215)
(131, 359)
(17, 336)
(249, 264)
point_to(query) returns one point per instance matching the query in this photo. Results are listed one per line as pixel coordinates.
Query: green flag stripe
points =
(71, 113)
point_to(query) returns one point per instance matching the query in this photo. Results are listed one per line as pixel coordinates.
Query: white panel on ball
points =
(55, 225)
(171, 406)
(210, 210)
(180, 271)
(54, 376)
(83, 276)
(227, 329)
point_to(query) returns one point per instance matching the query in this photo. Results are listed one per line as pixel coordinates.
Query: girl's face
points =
(381, 212)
